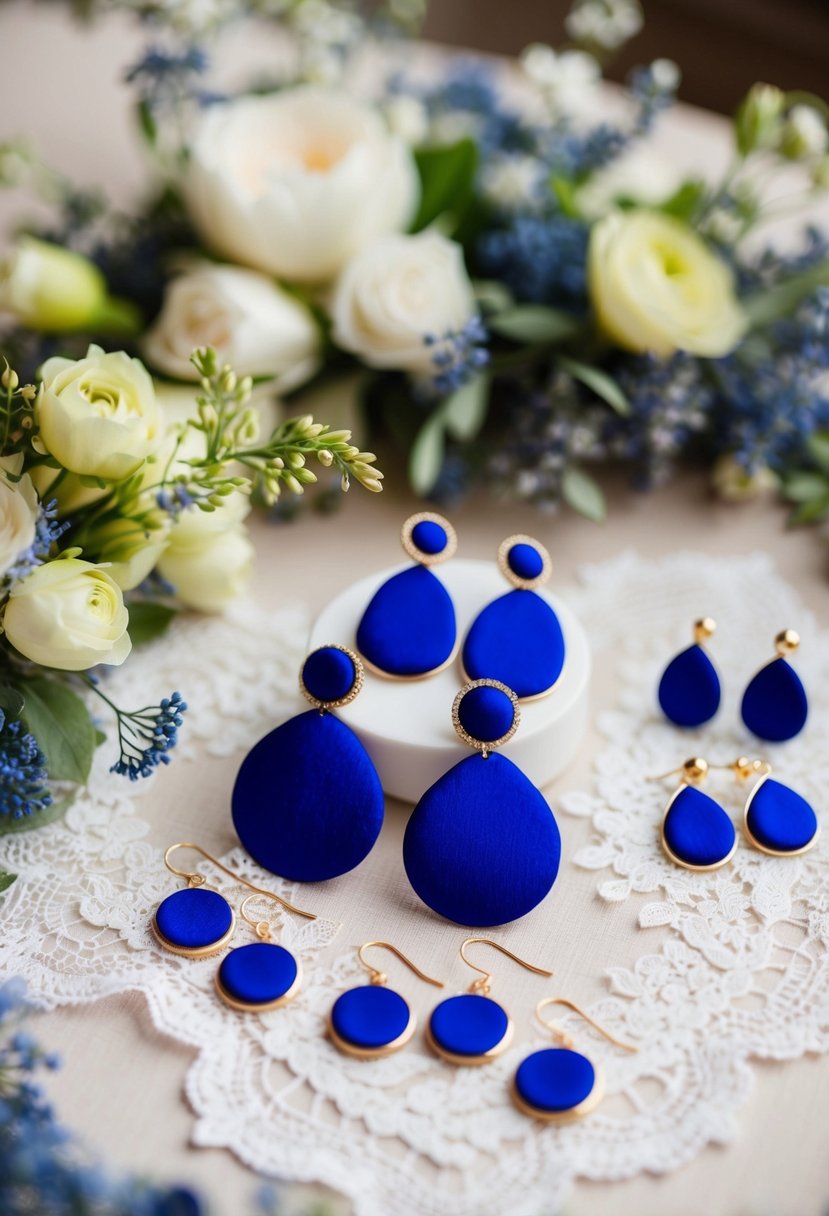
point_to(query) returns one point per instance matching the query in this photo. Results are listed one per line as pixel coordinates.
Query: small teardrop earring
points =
(372, 1021)
(558, 1084)
(689, 690)
(775, 706)
(471, 1028)
(261, 975)
(776, 819)
(696, 832)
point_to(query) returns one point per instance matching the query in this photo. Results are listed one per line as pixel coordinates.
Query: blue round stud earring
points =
(408, 630)
(261, 975)
(776, 819)
(471, 1028)
(774, 704)
(195, 921)
(696, 832)
(689, 690)
(559, 1084)
(517, 638)
(372, 1021)
(307, 803)
(482, 846)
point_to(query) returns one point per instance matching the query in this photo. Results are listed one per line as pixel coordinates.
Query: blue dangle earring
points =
(408, 631)
(776, 819)
(261, 975)
(195, 921)
(482, 846)
(559, 1084)
(372, 1020)
(774, 704)
(517, 638)
(307, 803)
(696, 832)
(689, 690)
(471, 1028)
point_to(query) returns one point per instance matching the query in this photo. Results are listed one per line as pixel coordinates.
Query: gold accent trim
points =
(428, 559)
(479, 744)
(762, 848)
(353, 692)
(200, 951)
(717, 865)
(247, 1007)
(524, 584)
(421, 675)
(372, 1053)
(583, 1108)
(471, 1061)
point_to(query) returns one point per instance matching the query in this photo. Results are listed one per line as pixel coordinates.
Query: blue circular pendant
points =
(258, 976)
(194, 922)
(780, 821)
(370, 1021)
(696, 832)
(469, 1029)
(556, 1085)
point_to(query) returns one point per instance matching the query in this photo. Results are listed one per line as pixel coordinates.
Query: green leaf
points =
(11, 701)
(818, 447)
(447, 177)
(533, 323)
(6, 880)
(426, 458)
(566, 193)
(60, 722)
(597, 381)
(465, 411)
(583, 494)
(684, 202)
(148, 620)
(804, 487)
(492, 296)
(763, 307)
(40, 819)
(147, 123)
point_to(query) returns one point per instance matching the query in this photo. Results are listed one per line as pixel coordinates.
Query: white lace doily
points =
(728, 966)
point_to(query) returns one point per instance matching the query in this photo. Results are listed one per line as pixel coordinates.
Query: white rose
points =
(68, 614)
(297, 182)
(209, 556)
(394, 293)
(130, 551)
(98, 416)
(255, 326)
(18, 515)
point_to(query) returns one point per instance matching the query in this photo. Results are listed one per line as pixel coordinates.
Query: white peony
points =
(295, 183)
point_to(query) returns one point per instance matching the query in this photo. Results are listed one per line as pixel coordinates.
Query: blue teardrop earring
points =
(696, 832)
(261, 975)
(307, 803)
(408, 631)
(559, 1084)
(776, 819)
(372, 1021)
(774, 704)
(689, 690)
(482, 846)
(517, 638)
(195, 921)
(471, 1028)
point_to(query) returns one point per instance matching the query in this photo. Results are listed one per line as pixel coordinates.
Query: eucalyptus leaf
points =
(426, 458)
(533, 323)
(40, 819)
(597, 381)
(11, 701)
(465, 411)
(447, 176)
(583, 494)
(61, 723)
(6, 880)
(149, 620)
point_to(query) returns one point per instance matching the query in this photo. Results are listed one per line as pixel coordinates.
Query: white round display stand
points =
(406, 725)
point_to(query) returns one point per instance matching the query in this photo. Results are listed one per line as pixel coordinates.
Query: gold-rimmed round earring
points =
(776, 819)
(372, 1020)
(471, 1028)
(196, 921)
(559, 1084)
(261, 975)
(696, 833)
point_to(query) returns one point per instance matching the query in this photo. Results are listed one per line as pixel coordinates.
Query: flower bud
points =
(757, 122)
(804, 133)
(57, 290)
(9, 379)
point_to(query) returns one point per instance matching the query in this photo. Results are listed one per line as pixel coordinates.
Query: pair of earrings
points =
(774, 705)
(555, 1084)
(408, 630)
(698, 834)
(482, 846)
(197, 922)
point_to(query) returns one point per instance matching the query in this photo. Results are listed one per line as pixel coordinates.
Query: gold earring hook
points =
(562, 1035)
(378, 977)
(262, 928)
(743, 767)
(194, 879)
(693, 771)
(482, 985)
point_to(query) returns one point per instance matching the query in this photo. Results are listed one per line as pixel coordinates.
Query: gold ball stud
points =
(787, 641)
(704, 628)
(695, 770)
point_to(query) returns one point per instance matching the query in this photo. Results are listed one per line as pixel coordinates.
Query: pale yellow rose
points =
(130, 551)
(18, 513)
(209, 557)
(68, 614)
(656, 287)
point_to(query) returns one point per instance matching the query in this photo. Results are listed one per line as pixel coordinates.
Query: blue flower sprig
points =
(145, 736)
(24, 780)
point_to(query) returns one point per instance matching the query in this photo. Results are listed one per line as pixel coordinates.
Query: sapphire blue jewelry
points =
(696, 832)
(482, 846)
(195, 921)
(307, 803)
(774, 705)
(689, 690)
(372, 1021)
(471, 1028)
(559, 1084)
(408, 630)
(776, 820)
(261, 975)
(517, 638)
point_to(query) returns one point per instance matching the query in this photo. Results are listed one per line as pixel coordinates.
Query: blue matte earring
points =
(196, 921)
(776, 819)
(408, 630)
(372, 1020)
(696, 832)
(774, 705)
(689, 690)
(471, 1028)
(517, 638)
(482, 846)
(261, 975)
(307, 803)
(559, 1084)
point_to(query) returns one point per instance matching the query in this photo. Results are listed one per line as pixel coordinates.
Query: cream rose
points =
(68, 614)
(209, 556)
(129, 551)
(18, 514)
(297, 182)
(98, 416)
(656, 286)
(394, 293)
(253, 325)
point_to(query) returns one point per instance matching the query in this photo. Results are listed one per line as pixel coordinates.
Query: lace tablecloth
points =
(730, 966)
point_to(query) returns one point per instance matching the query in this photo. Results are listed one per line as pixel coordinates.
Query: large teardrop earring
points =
(774, 705)
(696, 832)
